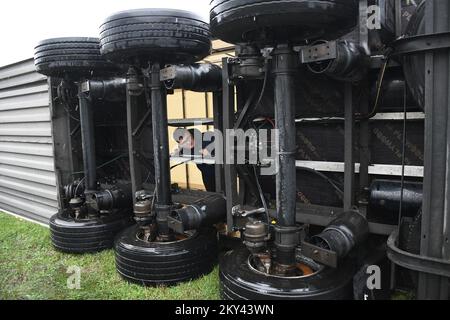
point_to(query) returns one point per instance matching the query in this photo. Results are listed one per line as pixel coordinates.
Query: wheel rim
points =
(307, 266)
(179, 237)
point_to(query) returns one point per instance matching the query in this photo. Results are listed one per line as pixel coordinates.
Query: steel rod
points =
(160, 138)
(229, 168)
(88, 141)
(349, 171)
(134, 104)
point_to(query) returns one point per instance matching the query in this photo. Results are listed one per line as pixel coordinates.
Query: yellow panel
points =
(178, 175)
(195, 178)
(175, 105)
(197, 105)
(219, 44)
(217, 58)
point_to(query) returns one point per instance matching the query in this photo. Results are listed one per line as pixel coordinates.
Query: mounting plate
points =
(319, 52)
(320, 255)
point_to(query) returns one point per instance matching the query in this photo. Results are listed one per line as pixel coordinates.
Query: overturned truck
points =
(349, 102)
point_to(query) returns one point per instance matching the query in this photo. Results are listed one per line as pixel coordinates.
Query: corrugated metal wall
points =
(27, 177)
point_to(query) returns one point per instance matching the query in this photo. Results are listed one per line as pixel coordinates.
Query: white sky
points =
(23, 23)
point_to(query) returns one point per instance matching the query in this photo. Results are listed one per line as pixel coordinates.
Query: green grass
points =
(31, 269)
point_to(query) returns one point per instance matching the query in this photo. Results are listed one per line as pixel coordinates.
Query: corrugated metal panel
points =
(29, 187)
(25, 115)
(27, 161)
(38, 99)
(21, 80)
(27, 177)
(24, 91)
(34, 175)
(27, 148)
(18, 68)
(40, 129)
(46, 140)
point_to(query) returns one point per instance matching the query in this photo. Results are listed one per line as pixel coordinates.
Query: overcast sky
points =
(23, 23)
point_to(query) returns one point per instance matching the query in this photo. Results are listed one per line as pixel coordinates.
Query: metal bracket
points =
(175, 225)
(415, 262)
(168, 73)
(422, 43)
(319, 52)
(85, 86)
(318, 254)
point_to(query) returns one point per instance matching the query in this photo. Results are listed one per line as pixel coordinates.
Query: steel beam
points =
(88, 141)
(230, 174)
(436, 214)
(349, 171)
(134, 104)
(160, 138)
(218, 127)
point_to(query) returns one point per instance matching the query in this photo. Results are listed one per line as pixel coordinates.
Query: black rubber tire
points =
(73, 56)
(87, 236)
(153, 263)
(409, 241)
(158, 35)
(237, 21)
(414, 64)
(413, 237)
(227, 243)
(239, 282)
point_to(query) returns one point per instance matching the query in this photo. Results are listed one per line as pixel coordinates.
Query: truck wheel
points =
(75, 56)
(240, 281)
(87, 236)
(238, 21)
(165, 263)
(163, 35)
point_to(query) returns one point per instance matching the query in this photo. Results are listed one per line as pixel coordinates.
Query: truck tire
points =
(162, 35)
(165, 263)
(87, 236)
(74, 56)
(239, 282)
(269, 21)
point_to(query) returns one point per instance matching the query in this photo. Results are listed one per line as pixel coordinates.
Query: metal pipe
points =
(109, 90)
(199, 77)
(160, 138)
(385, 197)
(346, 232)
(202, 213)
(134, 92)
(88, 141)
(284, 69)
(350, 63)
(118, 197)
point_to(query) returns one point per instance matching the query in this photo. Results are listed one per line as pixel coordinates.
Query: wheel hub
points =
(262, 263)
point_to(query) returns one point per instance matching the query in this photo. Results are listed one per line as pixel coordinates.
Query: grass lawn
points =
(31, 269)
